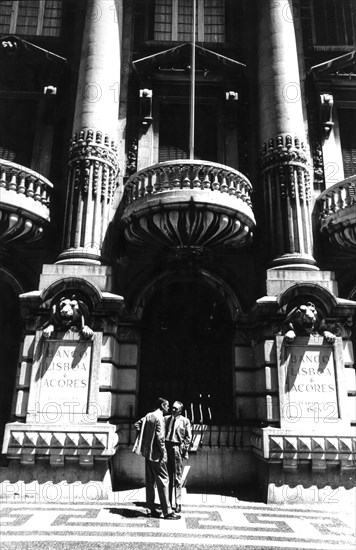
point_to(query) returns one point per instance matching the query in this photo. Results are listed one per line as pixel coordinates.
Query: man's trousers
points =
(175, 472)
(156, 473)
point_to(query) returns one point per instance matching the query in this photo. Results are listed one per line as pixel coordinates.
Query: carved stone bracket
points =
(146, 106)
(327, 103)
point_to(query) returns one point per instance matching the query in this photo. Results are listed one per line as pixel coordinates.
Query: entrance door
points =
(186, 352)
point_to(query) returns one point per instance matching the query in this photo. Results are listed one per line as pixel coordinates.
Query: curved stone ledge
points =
(24, 203)
(338, 214)
(191, 204)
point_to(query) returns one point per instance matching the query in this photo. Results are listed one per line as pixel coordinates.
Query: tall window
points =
(174, 131)
(347, 122)
(31, 17)
(334, 22)
(173, 20)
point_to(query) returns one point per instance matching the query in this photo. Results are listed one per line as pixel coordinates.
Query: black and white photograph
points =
(177, 274)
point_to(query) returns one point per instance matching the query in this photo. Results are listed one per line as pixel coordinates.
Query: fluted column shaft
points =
(93, 162)
(285, 159)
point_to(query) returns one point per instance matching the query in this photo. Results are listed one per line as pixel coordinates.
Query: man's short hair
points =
(180, 405)
(160, 401)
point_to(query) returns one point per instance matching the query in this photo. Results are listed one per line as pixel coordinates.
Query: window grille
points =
(347, 123)
(334, 22)
(173, 20)
(31, 17)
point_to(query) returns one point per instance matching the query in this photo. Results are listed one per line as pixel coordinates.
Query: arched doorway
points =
(186, 352)
(10, 330)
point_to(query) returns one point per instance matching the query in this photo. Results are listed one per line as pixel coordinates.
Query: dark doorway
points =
(186, 352)
(10, 332)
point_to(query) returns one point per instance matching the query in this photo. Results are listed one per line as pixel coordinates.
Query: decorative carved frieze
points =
(287, 157)
(284, 149)
(309, 447)
(287, 188)
(292, 450)
(93, 156)
(42, 441)
(92, 180)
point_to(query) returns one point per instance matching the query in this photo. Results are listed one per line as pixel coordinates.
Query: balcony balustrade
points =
(188, 204)
(24, 203)
(338, 214)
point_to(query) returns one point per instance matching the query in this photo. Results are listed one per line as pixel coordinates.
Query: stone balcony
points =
(338, 214)
(24, 203)
(188, 204)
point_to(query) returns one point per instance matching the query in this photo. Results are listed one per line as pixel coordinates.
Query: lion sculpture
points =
(66, 313)
(303, 321)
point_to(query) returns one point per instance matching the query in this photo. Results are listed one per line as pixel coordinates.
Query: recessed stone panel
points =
(125, 405)
(21, 403)
(244, 381)
(106, 375)
(105, 405)
(265, 353)
(128, 354)
(25, 374)
(350, 379)
(126, 379)
(110, 349)
(28, 344)
(348, 353)
(351, 407)
(245, 407)
(243, 357)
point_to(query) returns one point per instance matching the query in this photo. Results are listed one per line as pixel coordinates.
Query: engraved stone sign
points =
(308, 384)
(64, 378)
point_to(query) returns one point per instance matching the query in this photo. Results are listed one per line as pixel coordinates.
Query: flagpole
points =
(192, 88)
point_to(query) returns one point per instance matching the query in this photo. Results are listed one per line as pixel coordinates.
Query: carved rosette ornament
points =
(287, 188)
(92, 180)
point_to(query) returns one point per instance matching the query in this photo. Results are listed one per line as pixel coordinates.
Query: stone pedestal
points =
(306, 444)
(63, 404)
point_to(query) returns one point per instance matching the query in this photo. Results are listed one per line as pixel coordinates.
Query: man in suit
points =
(178, 438)
(151, 445)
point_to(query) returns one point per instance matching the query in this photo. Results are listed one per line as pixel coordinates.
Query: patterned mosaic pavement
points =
(211, 523)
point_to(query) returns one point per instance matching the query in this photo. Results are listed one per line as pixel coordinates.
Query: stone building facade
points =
(178, 219)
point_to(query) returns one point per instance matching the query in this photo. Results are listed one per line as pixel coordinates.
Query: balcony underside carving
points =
(188, 204)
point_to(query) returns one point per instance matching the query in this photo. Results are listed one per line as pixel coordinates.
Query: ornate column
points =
(93, 162)
(285, 158)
